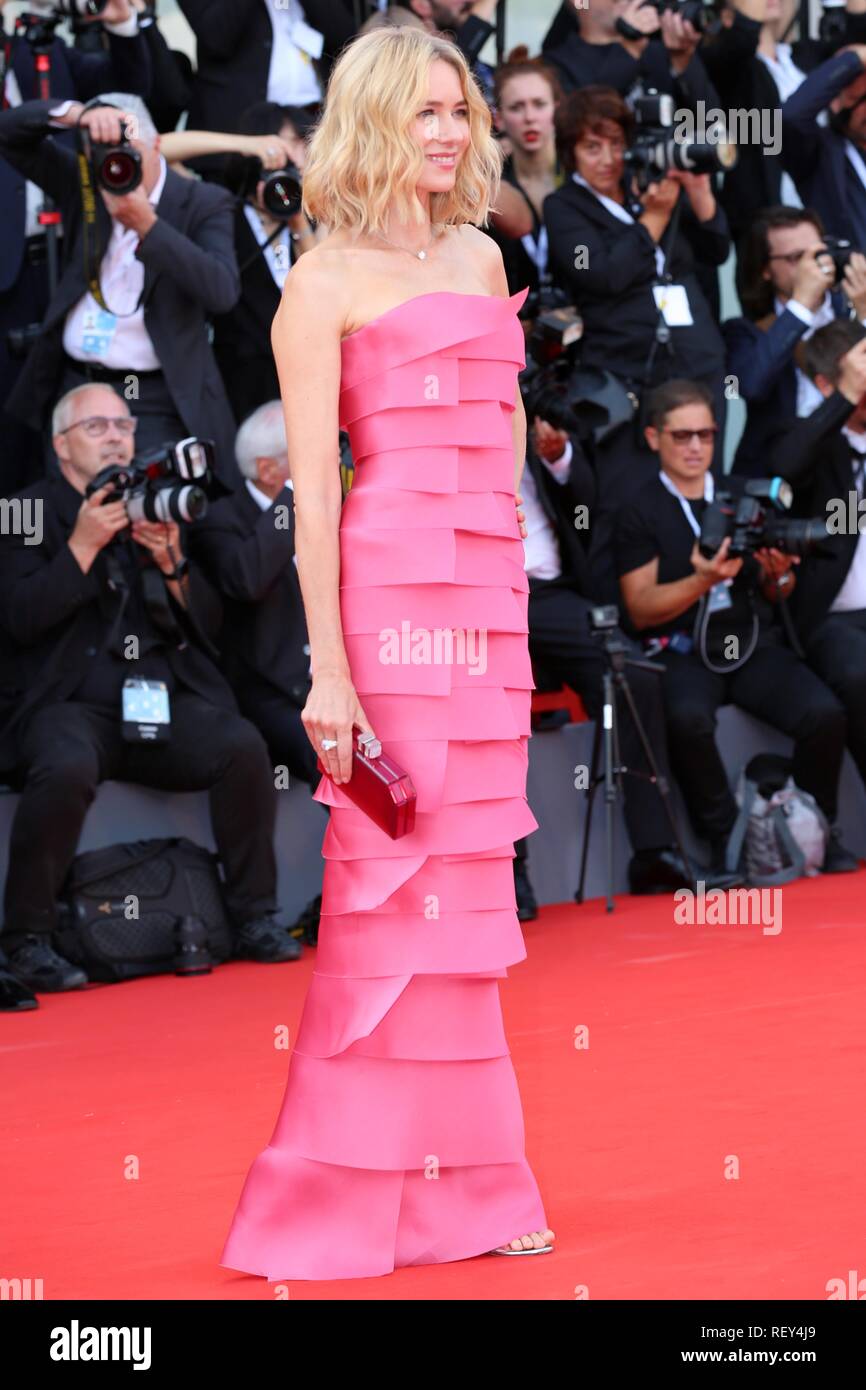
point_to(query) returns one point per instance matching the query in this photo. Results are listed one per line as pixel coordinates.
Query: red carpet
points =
(131, 1112)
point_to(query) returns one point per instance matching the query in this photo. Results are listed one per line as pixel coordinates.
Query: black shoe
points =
(15, 996)
(36, 964)
(664, 872)
(838, 859)
(527, 907)
(306, 928)
(265, 939)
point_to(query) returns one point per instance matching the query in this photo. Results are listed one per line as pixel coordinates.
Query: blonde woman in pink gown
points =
(400, 1140)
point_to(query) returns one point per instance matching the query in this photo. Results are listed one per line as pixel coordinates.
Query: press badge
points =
(673, 302)
(146, 715)
(98, 330)
(719, 597)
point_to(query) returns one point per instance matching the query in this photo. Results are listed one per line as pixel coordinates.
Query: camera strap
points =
(90, 239)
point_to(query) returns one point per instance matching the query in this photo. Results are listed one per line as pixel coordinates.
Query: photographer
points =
(664, 578)
(246, 546)
(164, 259)
(784, 281)
(71, 607)
(628, 45)
(257, 50)
(24, 282)
(824, 457)
(556, 481)
(629, 264)
(267, 246)
(828, 161)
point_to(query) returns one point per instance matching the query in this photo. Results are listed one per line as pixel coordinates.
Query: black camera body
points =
(703, 15)
(116, 168)
(656, 149)
(157, 486)
(840, 250)
(754, 521)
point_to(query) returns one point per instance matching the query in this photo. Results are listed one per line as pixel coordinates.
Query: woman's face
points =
(441, 128)
(526, 111)
(598, 157)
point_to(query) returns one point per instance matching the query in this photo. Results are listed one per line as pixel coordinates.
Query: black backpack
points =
(121, 907)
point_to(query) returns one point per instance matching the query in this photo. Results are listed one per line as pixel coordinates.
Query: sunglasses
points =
(706, 435)
(95, 425)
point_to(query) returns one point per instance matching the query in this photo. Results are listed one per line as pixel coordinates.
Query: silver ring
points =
(328, 743)
(271, 150)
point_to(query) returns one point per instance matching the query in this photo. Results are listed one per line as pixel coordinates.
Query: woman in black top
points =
(628, 262)
(526, 92)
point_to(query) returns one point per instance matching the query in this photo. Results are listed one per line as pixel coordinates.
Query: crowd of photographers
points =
(142, 267)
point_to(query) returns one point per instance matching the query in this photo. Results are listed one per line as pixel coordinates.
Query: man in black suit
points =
(88, 606)
(783, 280)
(558, 491)
(166, 259)
(828, 162)
(24, 294)
(824, 458)
(250, 50)
(246, 545)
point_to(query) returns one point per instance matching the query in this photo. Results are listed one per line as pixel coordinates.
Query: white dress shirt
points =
(808, 395)
(541, 556)
(292, 78)
(117, 339)
(852, 594)
(787, 77)
(278, 254)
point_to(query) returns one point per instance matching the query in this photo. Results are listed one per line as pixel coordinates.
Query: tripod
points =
(38, 31)
(606, 740)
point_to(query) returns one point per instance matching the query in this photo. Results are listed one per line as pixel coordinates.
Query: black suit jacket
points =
(248, 557)
(815, 457)
(614, 291)
(54, 617)
(190, 274)
(124, 68)
(813, 154)
(762, 360)
(558, 502)
(579, 64)
(242, 337)
(234, 42)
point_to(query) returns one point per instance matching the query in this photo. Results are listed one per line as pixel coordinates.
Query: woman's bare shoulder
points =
(486, 256)
(319, 286)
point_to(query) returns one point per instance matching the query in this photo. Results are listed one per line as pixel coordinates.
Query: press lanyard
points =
(671, 487)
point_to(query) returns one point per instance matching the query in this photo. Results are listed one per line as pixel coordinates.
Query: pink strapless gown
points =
(400, 1139)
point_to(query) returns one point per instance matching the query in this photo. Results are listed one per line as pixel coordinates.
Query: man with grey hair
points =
(135, 316)
(246, 546)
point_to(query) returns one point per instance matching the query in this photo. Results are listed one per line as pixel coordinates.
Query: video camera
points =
(655, 150)
(158, 486)
(753, 522)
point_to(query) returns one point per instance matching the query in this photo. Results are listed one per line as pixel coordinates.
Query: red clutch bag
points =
(379, 786)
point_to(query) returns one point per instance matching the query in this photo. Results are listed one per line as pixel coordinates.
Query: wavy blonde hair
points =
(363, 162)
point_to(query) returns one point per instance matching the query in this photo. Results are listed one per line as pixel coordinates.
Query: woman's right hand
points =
(332, 711)
(661, 195)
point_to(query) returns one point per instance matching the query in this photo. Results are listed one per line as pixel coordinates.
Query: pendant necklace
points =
(421, 255)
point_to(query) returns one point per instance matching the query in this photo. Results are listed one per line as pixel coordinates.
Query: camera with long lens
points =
(115, 167)
(755, 521)
(165, 484)
(840, 251)
(703, 15)
(69, 9)
(281, 193)
(655, 150)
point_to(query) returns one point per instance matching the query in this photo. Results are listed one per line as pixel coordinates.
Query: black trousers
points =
(279, 723)
(776, 686)
(560, 640)
(67, 749)
(837, 653)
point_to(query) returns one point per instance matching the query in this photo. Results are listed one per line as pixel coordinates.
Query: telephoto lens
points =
(187, 503)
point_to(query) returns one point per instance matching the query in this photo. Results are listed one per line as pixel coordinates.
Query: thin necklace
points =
(421, 255)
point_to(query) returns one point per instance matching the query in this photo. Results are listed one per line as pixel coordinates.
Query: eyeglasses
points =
(95, 425)
(706, 435)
